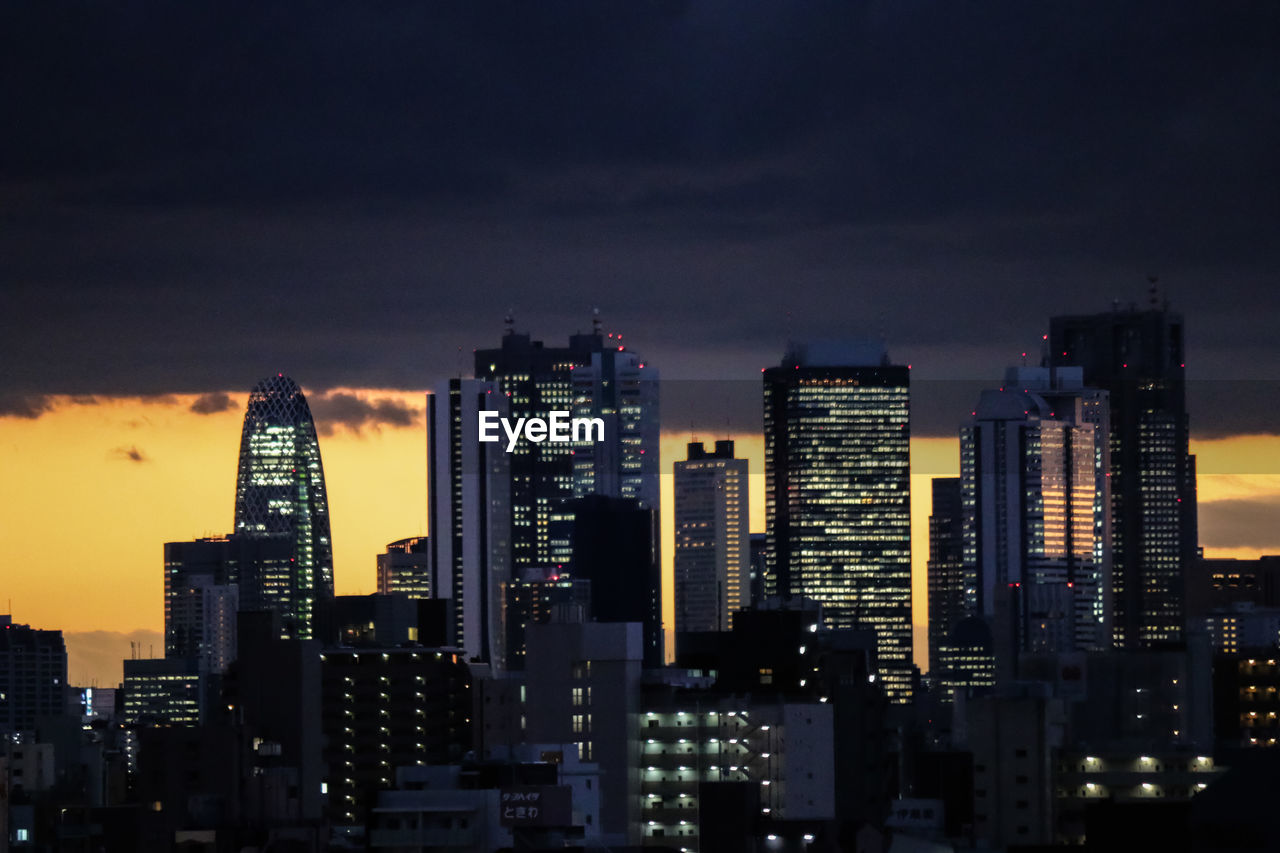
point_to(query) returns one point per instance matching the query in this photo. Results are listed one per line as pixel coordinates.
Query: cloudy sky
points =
(197, 193)
(194, 195)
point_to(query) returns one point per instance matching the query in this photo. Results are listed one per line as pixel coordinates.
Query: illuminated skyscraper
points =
(838, 493)
(1033, 490)
(712, 547)
(280, 496)
(1138, 357)
(595, 376)
(406, 567)
(494, 513)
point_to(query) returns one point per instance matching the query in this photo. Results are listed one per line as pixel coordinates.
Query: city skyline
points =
(364, 215)
(975, 303)
(1236, 473)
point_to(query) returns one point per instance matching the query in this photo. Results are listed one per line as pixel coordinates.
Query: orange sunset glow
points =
(94, 488)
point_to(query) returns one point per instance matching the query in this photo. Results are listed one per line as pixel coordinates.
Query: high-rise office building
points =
(838, 493)
(617, 386)
(163, 692)
(1030, 483)
(200, 601)
(406, 567)
(280, 494)
(712, 545)
(492, 511)
(468, 486)
(1138, 357)
(594, 376)
(946, 574)
(33, 676)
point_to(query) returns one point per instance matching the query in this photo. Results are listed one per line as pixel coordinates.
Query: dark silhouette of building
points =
(1220, 583)
(531, 602)
(1246, 700)
(966, 659)
(387, 708)
(946, 565)
(33, 676)
(380, 619)
(280, 495)
(201, 597)
(272, 693)
(615, 547)
(1138, 357)
(759, 562)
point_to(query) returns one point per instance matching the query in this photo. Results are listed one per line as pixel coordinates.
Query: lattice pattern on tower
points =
(280, 494)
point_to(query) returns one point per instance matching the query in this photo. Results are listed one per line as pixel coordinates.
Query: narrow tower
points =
(282, 513)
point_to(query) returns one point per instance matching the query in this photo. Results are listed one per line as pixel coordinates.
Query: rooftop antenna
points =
(1153, 292)
(595, 321)
(509, 322)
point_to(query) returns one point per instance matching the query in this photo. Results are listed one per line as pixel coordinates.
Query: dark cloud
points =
(355, 413)
(29, 406)
(129, 454)
(204, 191)
(1241, 523)
(212, 404)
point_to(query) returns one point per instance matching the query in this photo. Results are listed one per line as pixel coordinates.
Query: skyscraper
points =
(468, 501)
(406, 567)
(33, 676)
(615, 547)
(712, 545)
(492, 511)
(200, 601)
(1138, 357)
(838, 493)
(280, 495)
(594, 376)
(946, 566)
(1031, 481)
